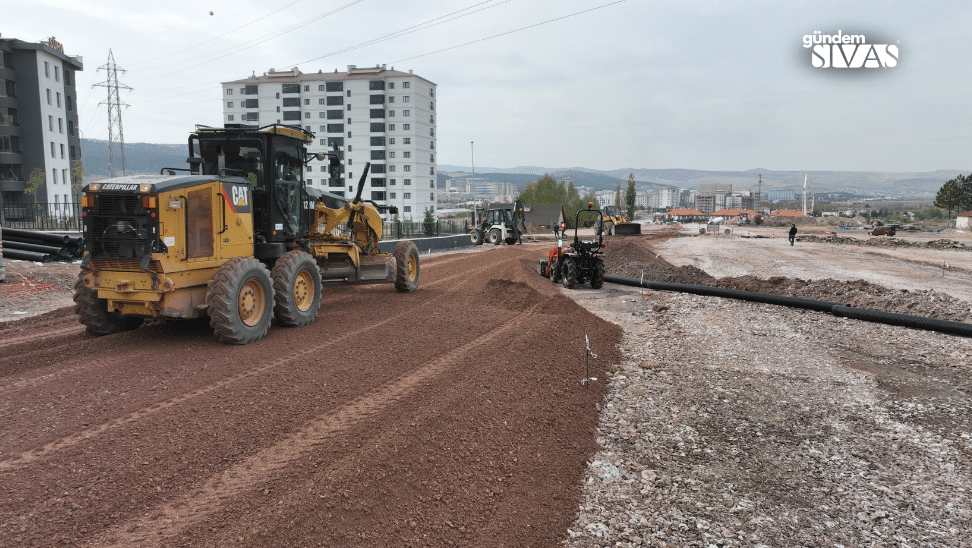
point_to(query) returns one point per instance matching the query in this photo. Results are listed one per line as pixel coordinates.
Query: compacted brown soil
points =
(452, 416)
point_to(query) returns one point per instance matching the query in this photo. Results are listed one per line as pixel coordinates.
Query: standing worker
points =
(793, 231)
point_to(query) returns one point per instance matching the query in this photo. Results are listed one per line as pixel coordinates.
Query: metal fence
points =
(396, 230)
(42, 216)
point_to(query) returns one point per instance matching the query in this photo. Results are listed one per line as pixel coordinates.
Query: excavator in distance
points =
(237, 236)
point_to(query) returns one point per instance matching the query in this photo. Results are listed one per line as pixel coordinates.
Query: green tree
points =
(630, 197)
(950, 196)
(617, 194)
(546, 190)
(428, 224)
(36, 181)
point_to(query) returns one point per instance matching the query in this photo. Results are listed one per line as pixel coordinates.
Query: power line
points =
(408, 30)
(114, 113)
(237, 29)
(510, 32)
(257, 42)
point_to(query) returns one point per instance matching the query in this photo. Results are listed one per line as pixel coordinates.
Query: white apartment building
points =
(373, 114)
(38, 120)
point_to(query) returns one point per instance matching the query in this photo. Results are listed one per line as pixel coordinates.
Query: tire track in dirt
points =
(27, 457)
(193, 507)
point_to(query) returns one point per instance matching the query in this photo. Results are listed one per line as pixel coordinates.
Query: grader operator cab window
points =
(240, 158)
(287, 180)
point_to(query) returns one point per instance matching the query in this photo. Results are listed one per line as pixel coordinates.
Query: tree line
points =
(955, 195)
(546, 190)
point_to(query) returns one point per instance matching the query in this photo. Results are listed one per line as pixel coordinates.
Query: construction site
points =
(491, 407)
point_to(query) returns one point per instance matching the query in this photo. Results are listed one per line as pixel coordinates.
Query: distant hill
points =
(150, 158)
(139, 157)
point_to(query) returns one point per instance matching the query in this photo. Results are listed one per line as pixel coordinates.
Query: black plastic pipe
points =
(32, 235)
(50, 250)
(838, 309)
(22, 255)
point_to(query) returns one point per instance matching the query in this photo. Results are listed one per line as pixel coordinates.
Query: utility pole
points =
(759, 194)
(115, 132)
(472, 157)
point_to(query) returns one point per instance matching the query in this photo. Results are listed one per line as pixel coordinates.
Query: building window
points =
(62, 151)
(251, 117)
(391, 127)
(431, 93)
(323, 142)
(349, 148)
(431, 183)
(334, 128)
(377, 154)
(323, 168)
(377, 113)
(349, 107)
(406, 127)
(250, 90)
(406, 140)
(406, 85)
(431, 105)
(431, 171)
(391, 168)
(291, 102)
(349, 135)
(391, 154)
(391, 85)
(349, 121)
(432, 145)
(53, 150)
(406, 113)
(229, 104)
(378, 141)
(377, 99)
(407, 195)
(290, 88)
(306, 101)
(291, 115)
(68, 103)
(432, 196)
(391, 182)
(306, 88)
(335, 100)
(58, 99)
(250, 103)
(391, 98)
(307, 115)
(320, 87)
(432, 158)
(406, 167)
(335, 114)
(377, 194)
(407, 154)
(407, 182)
(50, 124)
(376, 85)
(321, 114)
(229, 117)
(431, 119)
(405, 98)
(229, 91)
(391, 113)
(407, 209)
(48, 97)
(320, 101)
(310, 181)
(391, 195)
(349, 93)
(47, 69)
(391, 140)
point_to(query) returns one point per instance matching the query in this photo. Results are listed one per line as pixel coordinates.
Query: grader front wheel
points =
(406, 267)
(240, 302)
(296, 288)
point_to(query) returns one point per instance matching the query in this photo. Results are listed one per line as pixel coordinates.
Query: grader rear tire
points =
(406, 267)
(296, 288)
(93, 312)
(240, 301)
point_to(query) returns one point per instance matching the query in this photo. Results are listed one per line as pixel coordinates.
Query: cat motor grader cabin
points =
(236, 236)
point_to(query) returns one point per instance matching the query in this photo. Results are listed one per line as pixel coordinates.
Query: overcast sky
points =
(557, 83)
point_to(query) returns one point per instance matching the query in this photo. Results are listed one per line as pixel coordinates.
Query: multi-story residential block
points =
(373, 114)
(38, 120)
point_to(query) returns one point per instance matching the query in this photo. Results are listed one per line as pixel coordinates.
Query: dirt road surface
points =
(454, 416)
(450, 416)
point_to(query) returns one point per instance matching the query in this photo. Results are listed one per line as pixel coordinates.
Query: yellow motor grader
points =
(237, 236)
